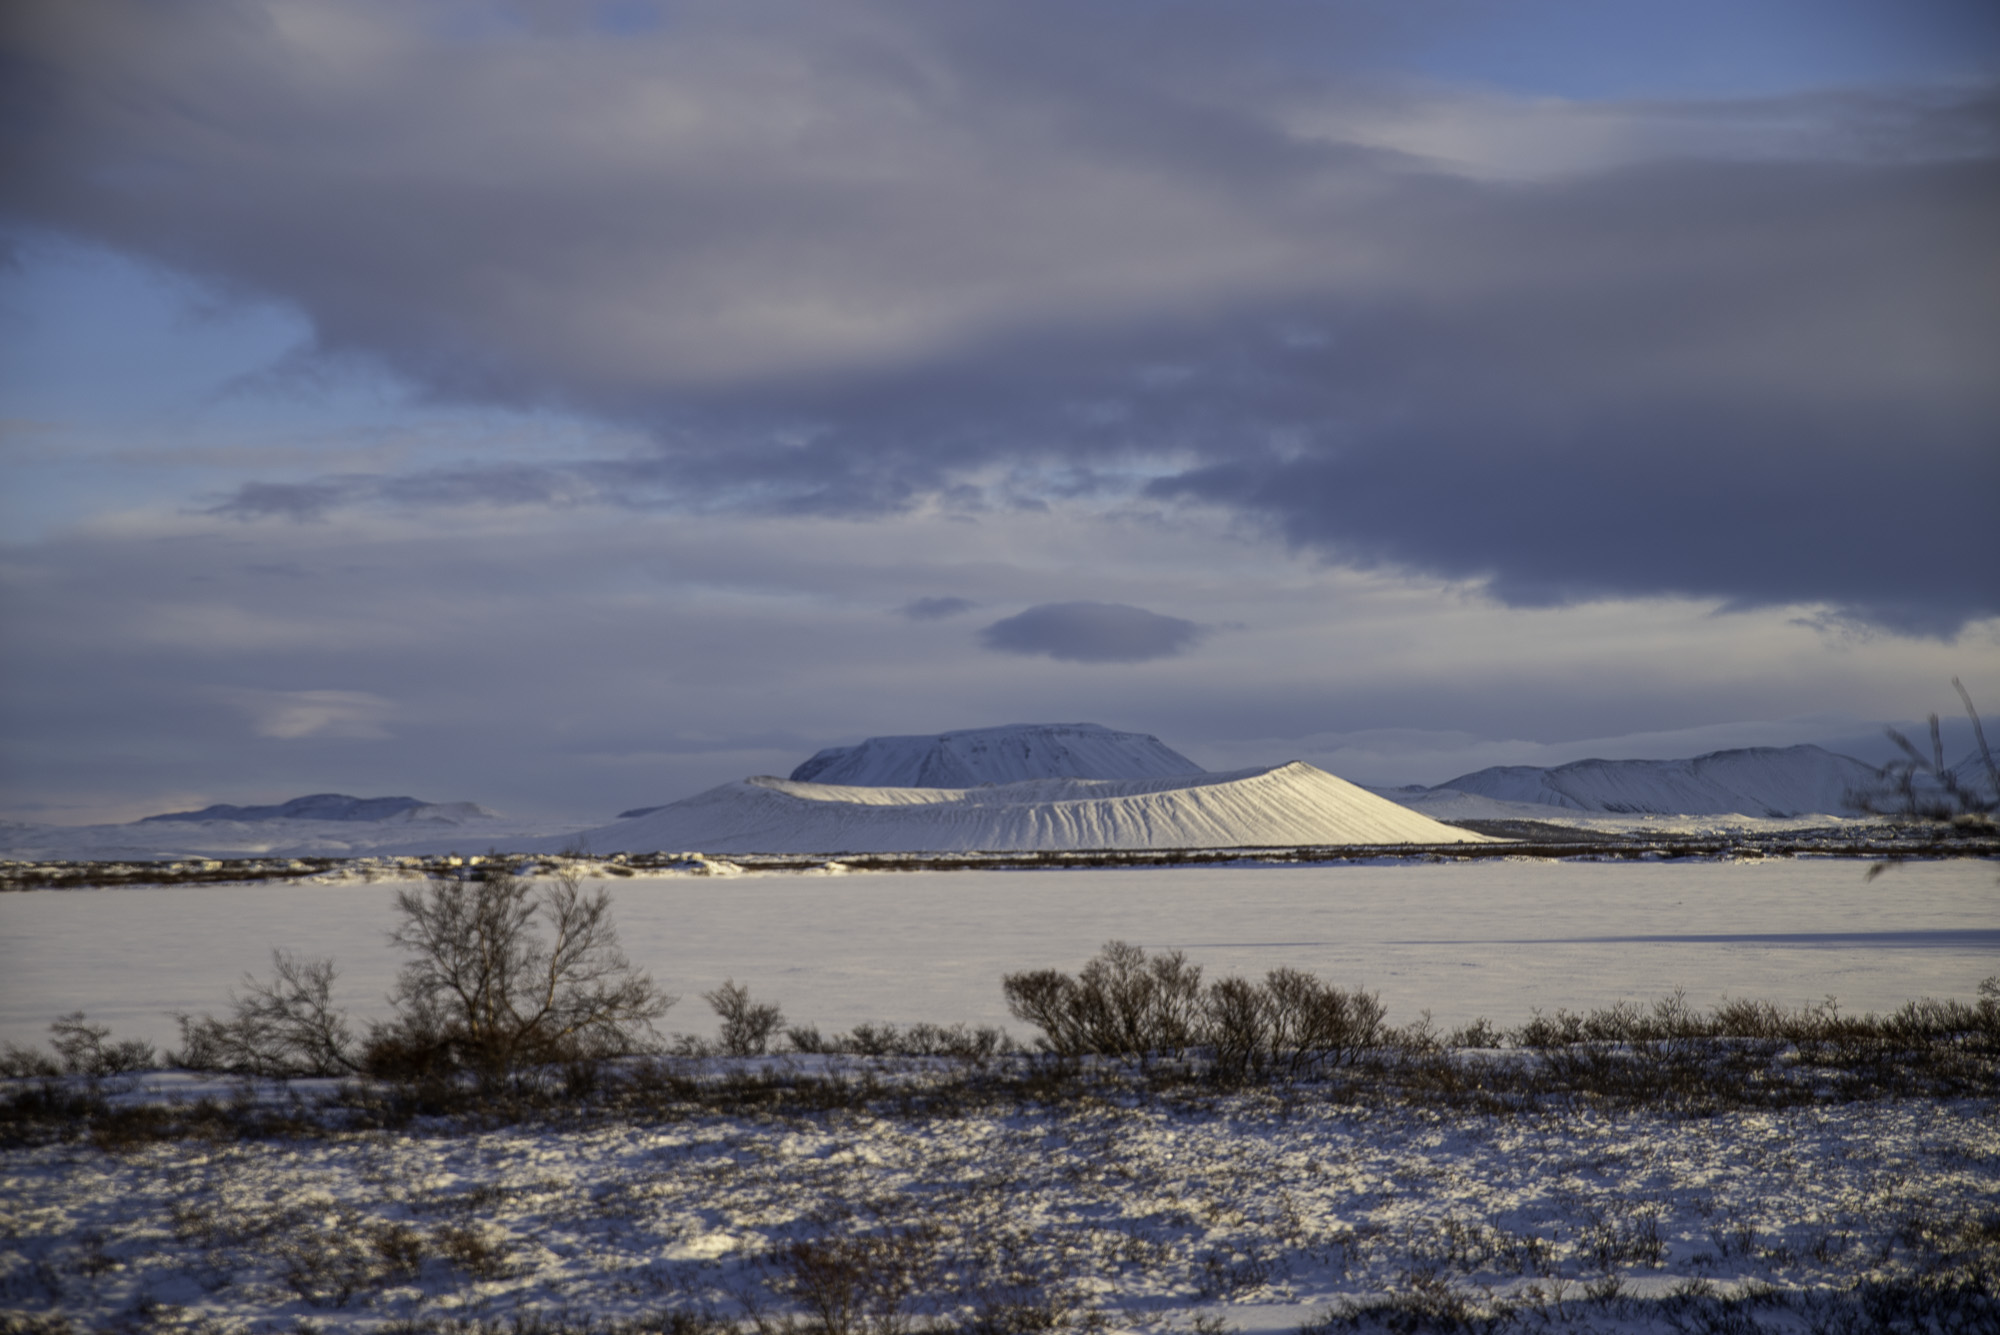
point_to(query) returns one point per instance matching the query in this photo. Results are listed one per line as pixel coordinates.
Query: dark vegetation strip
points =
(1545, 841)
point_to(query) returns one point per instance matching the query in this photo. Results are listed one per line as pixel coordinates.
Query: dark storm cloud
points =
(936, 609)
(838, 257)
(1092, 633)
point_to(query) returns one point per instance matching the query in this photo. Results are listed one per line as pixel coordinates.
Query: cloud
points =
(300, 501)
(1092, 633)
(508, 484)
(291, 715)
(936, 609)
(642, 661)
(839, 258)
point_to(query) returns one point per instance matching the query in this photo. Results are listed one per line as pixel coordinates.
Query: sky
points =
(569, 406)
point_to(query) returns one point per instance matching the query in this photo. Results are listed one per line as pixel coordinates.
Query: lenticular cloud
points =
(1092, 633)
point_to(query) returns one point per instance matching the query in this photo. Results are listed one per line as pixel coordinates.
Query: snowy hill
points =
(420, 828)
(1009, 754)
(1288, 805)
(1755, 781)
(328, 806)
(1447, 804)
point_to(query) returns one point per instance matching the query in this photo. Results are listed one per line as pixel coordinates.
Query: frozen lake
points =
(1461, 939)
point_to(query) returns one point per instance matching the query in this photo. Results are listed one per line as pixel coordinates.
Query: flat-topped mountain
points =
(1009, 754)
(331, 806)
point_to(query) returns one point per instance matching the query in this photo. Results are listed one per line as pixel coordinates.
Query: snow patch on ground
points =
(1259, 1210)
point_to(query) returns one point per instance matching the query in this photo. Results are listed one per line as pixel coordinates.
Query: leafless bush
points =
(747, 1025)
(1922, 789)
(80, 1048)
(958, 1041)
(473, 1250)
(504, 977)
(853, 1285)
(1122, 1003)
(1314, 1025)
(284, 1027)
(19, 1063)
(1125, 1004)
(1239, 1028)
(1819, 1030)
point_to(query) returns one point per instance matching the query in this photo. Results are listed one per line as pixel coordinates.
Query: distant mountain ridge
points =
(1750, 781)
(331, 806)
(1011, 753)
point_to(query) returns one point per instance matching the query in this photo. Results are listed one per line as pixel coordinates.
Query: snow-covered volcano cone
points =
(1285, 806)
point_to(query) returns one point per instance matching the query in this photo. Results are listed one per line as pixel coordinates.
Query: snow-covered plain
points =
(1257, 1212)
(1493, 938)
(1261, 1210)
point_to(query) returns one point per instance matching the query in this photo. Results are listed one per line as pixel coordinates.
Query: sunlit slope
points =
(1291, 804)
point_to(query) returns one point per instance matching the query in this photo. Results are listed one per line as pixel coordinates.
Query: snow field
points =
(1258, 1209)
(1263, 1210)
(1492, 938)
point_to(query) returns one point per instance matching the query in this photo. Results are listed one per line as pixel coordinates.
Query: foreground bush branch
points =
(505, 977)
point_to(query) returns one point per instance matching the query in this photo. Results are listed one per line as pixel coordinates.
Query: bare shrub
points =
(961, 1042)
(1122, 1003)
(1142, 1004)
(80, 1048)
(861, 1284)
(1315, 1025)
(1922, 789)
(747, 1025)
(284, 1027)
(1042, 997)
(1481, 1033)
(19, 1063)
(1125, 1004)
(399, 1248)
(473, 1250)
(1239, 1028)
(504, 977)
